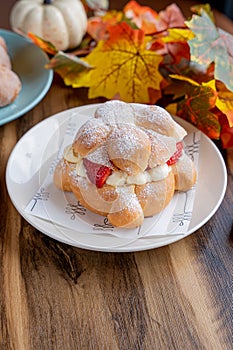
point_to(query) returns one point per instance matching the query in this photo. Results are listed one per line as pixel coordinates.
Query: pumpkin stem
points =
(47, 2)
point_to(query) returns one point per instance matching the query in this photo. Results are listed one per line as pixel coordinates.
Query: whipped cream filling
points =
(119, 177)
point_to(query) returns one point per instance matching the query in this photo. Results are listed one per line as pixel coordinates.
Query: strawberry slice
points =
(178, 153)
(96, 173)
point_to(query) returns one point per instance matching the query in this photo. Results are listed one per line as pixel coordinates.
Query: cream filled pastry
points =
(126, 162)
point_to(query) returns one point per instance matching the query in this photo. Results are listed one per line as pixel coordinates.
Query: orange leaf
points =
(97, 27)
(43, 44)
(225, 102)
(143, 16)
(226, 133)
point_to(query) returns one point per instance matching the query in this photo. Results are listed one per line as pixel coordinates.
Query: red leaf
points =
(226, 133)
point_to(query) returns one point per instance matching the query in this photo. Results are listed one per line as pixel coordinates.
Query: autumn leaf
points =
(224, 101)
(221, 108)
(172, 108)
(67, 66)
(174, 42)
(143, 16)
(212, 45)
(151, 21)
(178, 35)
(174, 49)
(171, 17)
(43, 44)
(225, 104)
(226, 133)
(206, 7)
(174, 64)
(196, 107)
(173, 45)
(122, 65)
(154, 95)
(98, 26)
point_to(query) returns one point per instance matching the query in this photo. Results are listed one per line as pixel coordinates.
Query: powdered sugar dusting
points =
(124, 142)
(162, 147)
(153, 191)
(92, 131)
(73, 176)
(100, 156)
(115, 113)
(126, 199)
(155, 118)
(158, 119)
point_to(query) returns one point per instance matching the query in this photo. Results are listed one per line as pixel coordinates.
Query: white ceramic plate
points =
(28, 62)
(29, 162)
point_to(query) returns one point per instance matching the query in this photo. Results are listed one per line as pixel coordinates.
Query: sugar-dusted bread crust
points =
(129, 148)
(90, 136)
(62, 173)
(136, 152)
(115, 112)
(185, 173)
(126, 211)
(3, 43)
(10, 84)
(162, 147)
(155, 196)
(98, 200)
(158, 119)
(4, 57)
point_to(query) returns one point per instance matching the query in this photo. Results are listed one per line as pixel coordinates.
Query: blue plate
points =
(28, 62)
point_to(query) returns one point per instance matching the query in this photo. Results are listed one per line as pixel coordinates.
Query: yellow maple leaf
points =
(178, 35)
(122, 66)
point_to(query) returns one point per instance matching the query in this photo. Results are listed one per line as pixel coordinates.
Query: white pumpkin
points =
(62, 22)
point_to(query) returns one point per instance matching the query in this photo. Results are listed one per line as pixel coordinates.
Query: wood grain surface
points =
(55, 296)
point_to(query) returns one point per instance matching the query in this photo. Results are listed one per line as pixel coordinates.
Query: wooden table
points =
(55, 296)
